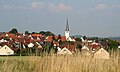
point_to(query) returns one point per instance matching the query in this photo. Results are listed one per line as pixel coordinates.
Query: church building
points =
(67, 32)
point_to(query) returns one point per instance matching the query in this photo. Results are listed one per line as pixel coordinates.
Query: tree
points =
(84, 37)
(47, 48)
(69, 42)
(33, 33)
(26, 32)
(13, 31)
(53, 37)
(96, 39)
(42, 32)
(60, 42)
(112, 45)
(59, 37)
(79, 46)
(78, 39)
(47, 33)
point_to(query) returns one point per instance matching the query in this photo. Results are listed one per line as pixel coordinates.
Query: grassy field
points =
(53, 63)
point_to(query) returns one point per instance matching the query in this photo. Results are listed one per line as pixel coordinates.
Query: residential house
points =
(70, 47)
(36, 37)
(5, 50)
(86, 51)
(101, 54)
(64, 51)
(93, 47)
(30, 45)
(49, 38)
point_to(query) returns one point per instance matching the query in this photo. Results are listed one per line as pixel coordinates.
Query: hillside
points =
(114, 38)
(77, 36)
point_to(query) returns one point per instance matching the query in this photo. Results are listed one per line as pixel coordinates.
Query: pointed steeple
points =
(67, 26)
(67, 31)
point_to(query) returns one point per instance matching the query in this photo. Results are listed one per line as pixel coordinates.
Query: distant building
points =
(101, 54)
(5, 50)
(67, 31)
(64, 51)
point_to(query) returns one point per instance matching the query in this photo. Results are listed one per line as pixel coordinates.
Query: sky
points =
(99, 18)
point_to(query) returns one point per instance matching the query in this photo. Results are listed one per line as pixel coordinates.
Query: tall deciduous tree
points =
(59, 37)
(84, 37)
(78, 39)
(47, 33)
(42, 32)
(53, 37)
(14, 31)
(26, 32)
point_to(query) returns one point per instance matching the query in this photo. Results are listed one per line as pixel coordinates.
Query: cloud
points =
(33, 5)
(13, 7)
(115, 6)
(105, 7)
(37, 5)
(101, 6)
(59, 7)
(8, 7)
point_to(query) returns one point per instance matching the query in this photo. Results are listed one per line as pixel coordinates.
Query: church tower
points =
(67, 31)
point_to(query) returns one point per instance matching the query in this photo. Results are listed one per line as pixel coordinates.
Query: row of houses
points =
(15, 42)
(97, 53)
(12, 43)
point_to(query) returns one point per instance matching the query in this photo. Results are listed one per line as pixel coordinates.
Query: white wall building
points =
(67, 31)
(5, 50)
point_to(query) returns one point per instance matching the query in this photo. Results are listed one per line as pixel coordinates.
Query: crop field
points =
(59, 63)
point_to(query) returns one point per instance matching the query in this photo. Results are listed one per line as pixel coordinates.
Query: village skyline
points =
(89, 17)
(16, 43)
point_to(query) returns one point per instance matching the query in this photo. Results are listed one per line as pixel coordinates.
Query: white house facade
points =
(5, 50)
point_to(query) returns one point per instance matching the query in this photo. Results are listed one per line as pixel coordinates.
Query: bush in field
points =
(112, 45)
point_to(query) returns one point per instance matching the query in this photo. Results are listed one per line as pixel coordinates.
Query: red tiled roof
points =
(69, 46)
(9, 35)
(4, 43)
(63, 38)
(28, 41)
(56, 43)
(38, 35)
(94, 46)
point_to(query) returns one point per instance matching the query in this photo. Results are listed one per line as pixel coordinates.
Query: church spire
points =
(67, 26)
(67, 32)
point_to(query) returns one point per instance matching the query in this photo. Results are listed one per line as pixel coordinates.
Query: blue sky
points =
(86, 17)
